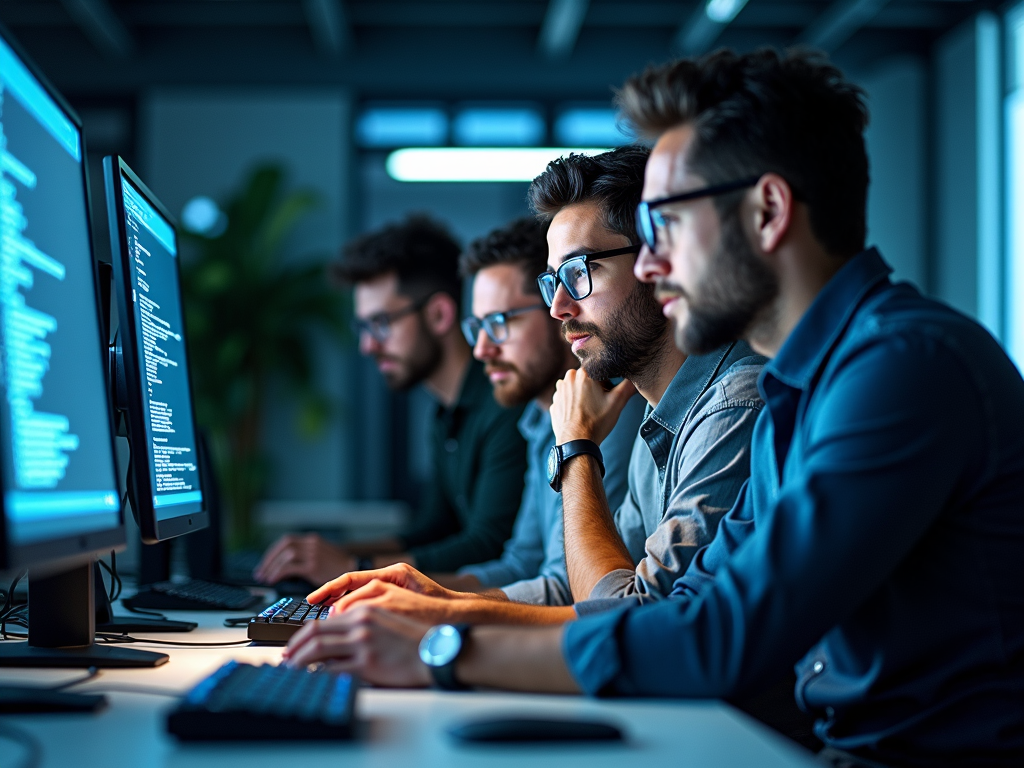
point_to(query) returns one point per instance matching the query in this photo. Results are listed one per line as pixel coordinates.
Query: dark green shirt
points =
(479, 463)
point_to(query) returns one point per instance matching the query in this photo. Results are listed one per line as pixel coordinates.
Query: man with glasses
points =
(879, 544)
(407, 292)
(691, 455)
(524, 355)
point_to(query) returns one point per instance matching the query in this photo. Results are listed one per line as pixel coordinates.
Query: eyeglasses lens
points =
(576, 277)
(548, 285)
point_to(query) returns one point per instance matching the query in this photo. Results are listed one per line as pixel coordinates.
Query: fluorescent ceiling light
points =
(476, 163)
(723, 11)
(499, 126)
(583, 126)
(402, 126)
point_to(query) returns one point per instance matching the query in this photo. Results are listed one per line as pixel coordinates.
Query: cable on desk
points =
(33, 747)
(124, 638)
(10, 608)
(93, 673)
(145, 689)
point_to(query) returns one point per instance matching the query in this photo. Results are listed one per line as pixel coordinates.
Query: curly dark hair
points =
(522, 243)
(613, 179)
(421, 252)
(789, 113)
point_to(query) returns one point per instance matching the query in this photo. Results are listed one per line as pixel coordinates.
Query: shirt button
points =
(451, 445)
(818, 667)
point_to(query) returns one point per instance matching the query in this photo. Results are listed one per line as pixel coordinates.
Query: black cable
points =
(8, 609)
(144, 612)
(117, 578)
(147, 689)
(93, 673)
(109, 637)
(33, 747)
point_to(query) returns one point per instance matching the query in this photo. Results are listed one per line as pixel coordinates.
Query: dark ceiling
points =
(435, 49)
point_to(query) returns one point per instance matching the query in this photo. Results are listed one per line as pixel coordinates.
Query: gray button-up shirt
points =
(532, 567)
(688, 464)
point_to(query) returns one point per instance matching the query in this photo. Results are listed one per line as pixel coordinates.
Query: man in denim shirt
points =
(524, 355)
(879, 544)
(692, 453)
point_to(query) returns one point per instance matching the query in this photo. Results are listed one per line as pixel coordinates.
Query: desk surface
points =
(402, 728)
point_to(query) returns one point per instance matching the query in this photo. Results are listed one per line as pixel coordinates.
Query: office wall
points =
(205, 141)
(897, 152)
(967, 263)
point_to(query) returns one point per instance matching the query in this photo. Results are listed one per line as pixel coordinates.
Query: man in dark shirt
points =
(407, 291)
(879, 544)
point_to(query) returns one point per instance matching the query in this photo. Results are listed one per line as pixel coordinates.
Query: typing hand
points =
(401, 575)
(582, 409)
(307, 556)
(380, 647)
(398, 600)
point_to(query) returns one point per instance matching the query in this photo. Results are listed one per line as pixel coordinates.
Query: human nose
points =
(485, 349)
(650, 266)
(368, 345)
(563, 306)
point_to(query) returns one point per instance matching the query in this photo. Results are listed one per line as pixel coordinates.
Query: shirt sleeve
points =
(493, 500)
(879, 461)
(711, 467)
(551, 585)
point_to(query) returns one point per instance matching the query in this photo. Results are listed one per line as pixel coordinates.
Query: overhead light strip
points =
(476, 163)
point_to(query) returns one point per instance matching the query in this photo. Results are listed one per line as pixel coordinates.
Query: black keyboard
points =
(284, 618)
(266, 703)
(192, 595)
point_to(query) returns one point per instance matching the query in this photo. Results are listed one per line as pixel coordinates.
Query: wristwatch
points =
(559, 454)
(439, 649)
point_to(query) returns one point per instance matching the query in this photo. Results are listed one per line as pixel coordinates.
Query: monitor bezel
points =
(151, 529)
(68, 551)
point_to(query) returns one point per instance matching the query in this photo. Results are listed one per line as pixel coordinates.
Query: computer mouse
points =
(532, 729)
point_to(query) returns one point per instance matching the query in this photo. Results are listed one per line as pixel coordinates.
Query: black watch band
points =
(560, 454)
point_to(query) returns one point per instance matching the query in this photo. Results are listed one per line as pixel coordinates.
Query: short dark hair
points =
(421, 252)
(522, 243)
(614, 180)
(792, 114)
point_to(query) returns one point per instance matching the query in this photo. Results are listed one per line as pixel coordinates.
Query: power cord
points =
(92, 674)
(33, 747)
(124, 638)
(10, 609)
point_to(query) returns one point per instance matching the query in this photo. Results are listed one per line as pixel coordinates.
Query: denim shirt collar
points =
(818, 330)
(686, 387)
(535, 424)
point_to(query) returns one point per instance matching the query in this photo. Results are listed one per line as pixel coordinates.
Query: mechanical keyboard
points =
(266, 703)
(192, 595)
(284, 618)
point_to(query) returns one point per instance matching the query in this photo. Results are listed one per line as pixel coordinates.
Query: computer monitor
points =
(60, 503)
(154, 388)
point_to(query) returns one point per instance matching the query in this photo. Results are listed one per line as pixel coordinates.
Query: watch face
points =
(552, 463)
(440, 645)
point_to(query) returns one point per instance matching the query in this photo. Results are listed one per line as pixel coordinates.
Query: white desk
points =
(403, 728)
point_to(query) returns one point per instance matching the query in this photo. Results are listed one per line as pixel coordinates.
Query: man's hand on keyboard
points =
(307, 556)
(400, 575)
(404, 602)
(380, 647)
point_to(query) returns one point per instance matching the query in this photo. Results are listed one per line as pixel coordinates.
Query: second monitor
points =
(153, 384)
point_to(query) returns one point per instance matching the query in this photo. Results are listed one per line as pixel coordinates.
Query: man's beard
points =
(724, 307)
(632, 338)
(422, 362)
(528, 382)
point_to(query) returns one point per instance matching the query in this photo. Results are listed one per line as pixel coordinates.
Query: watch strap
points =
(575, 448)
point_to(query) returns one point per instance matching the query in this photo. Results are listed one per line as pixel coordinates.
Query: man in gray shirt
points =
(524, 355)
(692, 453)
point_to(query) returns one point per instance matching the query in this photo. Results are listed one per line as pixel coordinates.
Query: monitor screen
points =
(160, 381)
(56, 444)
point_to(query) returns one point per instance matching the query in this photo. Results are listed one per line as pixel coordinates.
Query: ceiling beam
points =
(561, 27)
(102, 26)
(839, 22)
(329, 26)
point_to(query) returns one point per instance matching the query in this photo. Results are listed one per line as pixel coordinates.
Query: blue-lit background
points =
(195, 93)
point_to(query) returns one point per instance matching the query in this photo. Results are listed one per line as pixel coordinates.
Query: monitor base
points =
(101, 656)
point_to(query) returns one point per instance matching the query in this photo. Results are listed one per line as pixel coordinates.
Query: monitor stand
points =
(106, 621)
(61, 626)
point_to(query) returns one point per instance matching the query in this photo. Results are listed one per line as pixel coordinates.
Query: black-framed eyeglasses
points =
(494, 324)
(379, 326)
(649, 221)
(574, 274)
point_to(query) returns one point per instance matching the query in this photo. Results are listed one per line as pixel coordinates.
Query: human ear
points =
(440, 313)
(773, 203)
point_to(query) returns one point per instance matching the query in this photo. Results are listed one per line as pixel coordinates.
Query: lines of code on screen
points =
(160, 349)
(58, 467)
